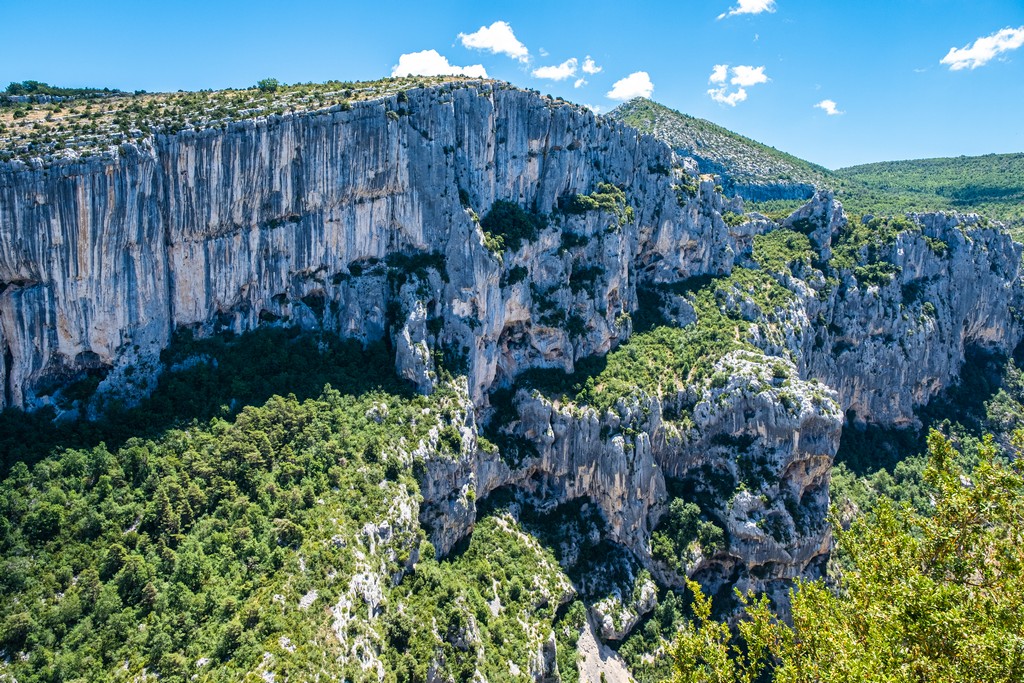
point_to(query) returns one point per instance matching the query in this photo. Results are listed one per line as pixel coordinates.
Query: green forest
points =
(229, 541)
(990, 185)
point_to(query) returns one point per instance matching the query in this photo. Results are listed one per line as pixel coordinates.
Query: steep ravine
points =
(366, 222)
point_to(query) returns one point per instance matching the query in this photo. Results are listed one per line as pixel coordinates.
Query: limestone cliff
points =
(366, 221)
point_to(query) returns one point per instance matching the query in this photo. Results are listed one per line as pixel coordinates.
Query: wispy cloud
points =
(590, 67)
(580, 82)
(430, 63)
(498, 38)
(636, 84)
(732, 91)
(560, 72)
(829, 107)
(593, 107)
(983, 50)
(749, 7)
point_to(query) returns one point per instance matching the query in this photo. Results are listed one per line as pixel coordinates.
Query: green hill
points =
(991, 185)
(749, 168)
(776, 183)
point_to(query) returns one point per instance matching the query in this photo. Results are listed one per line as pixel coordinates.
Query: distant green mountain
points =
(776, 183)
(748, 168)
(991, 185)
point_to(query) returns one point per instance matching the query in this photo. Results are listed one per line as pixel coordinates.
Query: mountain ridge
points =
(777, 181)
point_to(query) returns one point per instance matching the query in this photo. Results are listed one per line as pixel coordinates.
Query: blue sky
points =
(879, 61)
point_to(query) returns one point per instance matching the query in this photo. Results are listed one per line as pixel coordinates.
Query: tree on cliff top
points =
(268, 84)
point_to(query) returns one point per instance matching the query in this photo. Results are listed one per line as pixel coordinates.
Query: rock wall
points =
(100, 261)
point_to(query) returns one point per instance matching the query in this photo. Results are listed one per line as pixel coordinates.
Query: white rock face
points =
(273, 219)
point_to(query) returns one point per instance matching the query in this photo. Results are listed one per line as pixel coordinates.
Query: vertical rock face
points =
(365, 222)
(264, 221)
(888, 347)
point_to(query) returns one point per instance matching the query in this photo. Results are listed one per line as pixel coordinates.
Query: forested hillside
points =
(990, 185)
(748, 167)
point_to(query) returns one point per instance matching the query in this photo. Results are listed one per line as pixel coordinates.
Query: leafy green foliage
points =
(646, 650)
(490, 603)
(608, 198)
(860, 244)
(39, 88)
(508, 226)
(665, 359)
(733, 219)
(780, 250)
(215, 376)
(659, 359)
(991, 185)
(268, 85)
(683, 526)
(212, 549)
(567, 633)
(169, 550)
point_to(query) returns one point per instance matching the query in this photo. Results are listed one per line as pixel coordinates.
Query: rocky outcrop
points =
(889, 342)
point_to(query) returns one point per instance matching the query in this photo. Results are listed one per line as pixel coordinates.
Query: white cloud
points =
(580, 82)
(749, 7)
(430, 63)
(743, 77)
(731, 98)
(593, 107)
(561, 72)
(543, 52)
(590, 67)
(829, 107)
(636, 84)
(498, 39)
(984, 50)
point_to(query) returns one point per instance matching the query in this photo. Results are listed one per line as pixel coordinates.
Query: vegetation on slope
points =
(37, 89)
(990, 185)
(198, 551)
(662, 358)
(85, 124)
(264, 540)
(717, 149)
(213, 377)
